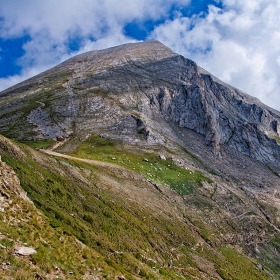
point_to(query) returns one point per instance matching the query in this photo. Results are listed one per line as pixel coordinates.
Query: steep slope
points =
(139, 88)
(57, 254)
(132, 228)
(153, 139)
(147, 97)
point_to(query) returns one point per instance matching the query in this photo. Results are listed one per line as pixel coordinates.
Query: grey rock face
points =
(25, 251)
(138, 93)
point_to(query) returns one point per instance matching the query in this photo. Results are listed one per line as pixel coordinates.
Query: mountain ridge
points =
(157, 130)
(88, 55)
(221, 112)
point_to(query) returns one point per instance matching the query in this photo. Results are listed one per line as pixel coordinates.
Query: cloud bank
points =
(239, 43)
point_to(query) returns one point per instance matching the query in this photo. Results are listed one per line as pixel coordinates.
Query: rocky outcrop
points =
(9, 185)
(137, 93)
(24, 251)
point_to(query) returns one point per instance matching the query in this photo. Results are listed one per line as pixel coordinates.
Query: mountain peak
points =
(140, 52)
(152, 49)
(140, 87)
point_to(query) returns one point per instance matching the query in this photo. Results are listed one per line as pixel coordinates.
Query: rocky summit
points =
(159, 131)
(137, 90)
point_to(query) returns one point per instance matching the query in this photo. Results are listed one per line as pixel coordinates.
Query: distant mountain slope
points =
(140, 89)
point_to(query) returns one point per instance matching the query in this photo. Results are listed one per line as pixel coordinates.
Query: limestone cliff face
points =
(138, 93)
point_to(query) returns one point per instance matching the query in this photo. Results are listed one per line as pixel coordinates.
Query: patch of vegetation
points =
(239, 267)
(276, 242)
(30, 98)
(123, 237)
(98, 218)
(276, 138)
(164, 172)
(59, 255)
(60, 76)
(39, 144)
(269, 261)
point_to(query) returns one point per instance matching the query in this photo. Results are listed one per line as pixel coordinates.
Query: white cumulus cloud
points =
(239, 43)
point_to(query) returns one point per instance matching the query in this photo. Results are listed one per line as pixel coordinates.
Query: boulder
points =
(24, 251)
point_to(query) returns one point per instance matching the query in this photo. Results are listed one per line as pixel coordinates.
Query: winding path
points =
(90, 161)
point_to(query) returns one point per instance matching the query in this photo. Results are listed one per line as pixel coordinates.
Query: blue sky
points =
(236, 40)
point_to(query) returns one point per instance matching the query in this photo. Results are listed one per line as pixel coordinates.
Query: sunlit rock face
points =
(138, 93)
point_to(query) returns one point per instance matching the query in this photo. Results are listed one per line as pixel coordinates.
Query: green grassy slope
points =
(149, 165)
(128, 226)
(58, 254)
